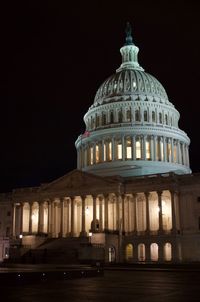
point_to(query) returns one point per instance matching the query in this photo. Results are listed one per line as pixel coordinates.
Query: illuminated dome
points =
(132, 127)
(130, 82)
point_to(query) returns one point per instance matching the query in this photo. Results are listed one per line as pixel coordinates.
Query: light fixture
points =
(20, 236)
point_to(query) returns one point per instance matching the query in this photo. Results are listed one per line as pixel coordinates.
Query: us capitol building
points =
(132, 197)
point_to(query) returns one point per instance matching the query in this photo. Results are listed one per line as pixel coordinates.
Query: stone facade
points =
(132, 197)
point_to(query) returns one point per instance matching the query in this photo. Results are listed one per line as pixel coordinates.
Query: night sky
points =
(54, 56)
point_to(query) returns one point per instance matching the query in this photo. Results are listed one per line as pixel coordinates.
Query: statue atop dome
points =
(128, 31)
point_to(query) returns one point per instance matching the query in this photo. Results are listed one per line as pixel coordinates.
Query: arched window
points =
(160, 117)
(154, 252)
(128, 115)
(128, 147)
(145, 116)
(129, 252)
(167, 251)
(141, 252)
(120, 116)
(137, 115)
(175, 151)
(109, 150)
(111, 117)
(153, 116)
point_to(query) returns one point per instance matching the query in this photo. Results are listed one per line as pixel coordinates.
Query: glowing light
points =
(90, 234)
(20, 236)
(87, 211)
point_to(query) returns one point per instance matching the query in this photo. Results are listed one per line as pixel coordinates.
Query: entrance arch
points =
(154, 252)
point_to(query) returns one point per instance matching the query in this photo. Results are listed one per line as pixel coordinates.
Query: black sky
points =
(55, 54)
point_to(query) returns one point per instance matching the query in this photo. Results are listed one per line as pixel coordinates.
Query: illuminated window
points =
(91, 156)
(128, 148)
(137, 115)
(175, 152)
(167, 251)
(129, 252)
(161, 150)
(169, 151)
(141, 252)
(138, 149)
(128, 115)
(154, 252)
(109, 151)
(153, 117)
(145, 116)
(119, 149)
(148, 151)
(134, 84)
(97, 153)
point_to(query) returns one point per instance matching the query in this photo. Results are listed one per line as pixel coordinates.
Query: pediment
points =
(76, 180)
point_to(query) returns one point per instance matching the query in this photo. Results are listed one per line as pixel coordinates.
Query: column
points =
(151, 148)
(113, 148)
(118, 226)
(144, 147)
(102, 151)
(160, 211)
(30, 217)
(172, 150)
(49, 229)
(61, 217)
(147, 212)
(173, 211)
(155, 147)
(94, 214)
(14, 220)
(106, 213)
(94, 153)
(123, 213)
(165, 148)
(72, 216)
(135, 213)
(123, 148)
(83, 231)
(52, 219)
(21, 217)
(133, 148)
(100, 214)
(40, 218)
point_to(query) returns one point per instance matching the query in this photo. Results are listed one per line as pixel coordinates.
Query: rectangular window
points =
(199, 223)
(110, 151)
(128, 149)
(8, 213)
(175, 153)
(97, 153)
(198, 198)
(169, 152)
(91, 156)
(148, 152)
(138, 150)
(119, 151)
